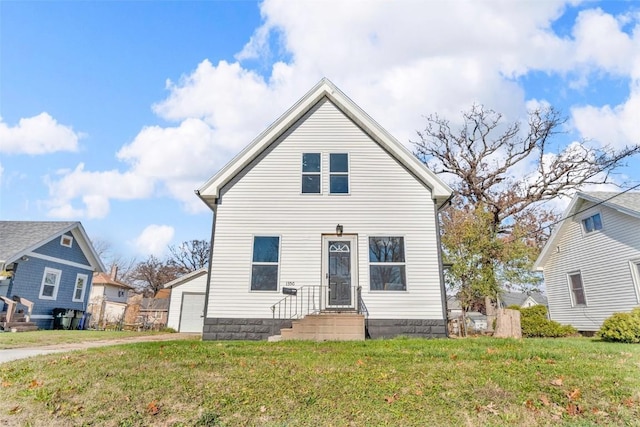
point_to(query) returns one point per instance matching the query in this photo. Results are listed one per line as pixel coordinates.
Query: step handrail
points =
(310, 299)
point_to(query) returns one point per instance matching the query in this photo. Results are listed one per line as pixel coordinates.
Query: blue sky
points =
(114, 112)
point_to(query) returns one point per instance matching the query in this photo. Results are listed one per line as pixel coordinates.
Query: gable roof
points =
(105, 279)
(210, 191)
(17, 238)
(519, 298)
(627, 203)
(183, 279)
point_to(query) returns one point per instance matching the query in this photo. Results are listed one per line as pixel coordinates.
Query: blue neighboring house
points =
(49, 263)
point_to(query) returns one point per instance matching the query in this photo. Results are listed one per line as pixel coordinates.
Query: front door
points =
(340, 272)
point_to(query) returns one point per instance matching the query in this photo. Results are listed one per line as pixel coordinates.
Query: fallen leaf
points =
(391, 399)
(490, 408)
(15, 410)
(597, 411)
(574, 395)
(545, 400)
(557, 381)
(529, 404)
(550, 362)
(360, 362)
(628, 402)
(153, 408)
(573, 409)
(6, 384)
(453, 356)
(35, 384)
(491, 350)
(419, 393)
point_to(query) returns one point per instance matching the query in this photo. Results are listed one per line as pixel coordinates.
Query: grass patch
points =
(383, 382)
(43, 338)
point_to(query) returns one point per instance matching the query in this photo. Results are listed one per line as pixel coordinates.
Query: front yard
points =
(45, 338)
(404, 382)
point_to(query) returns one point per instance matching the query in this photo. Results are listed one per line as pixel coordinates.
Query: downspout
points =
(214, 208)
(443, 290)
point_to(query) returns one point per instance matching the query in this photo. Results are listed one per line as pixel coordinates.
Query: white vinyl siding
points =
(603, 261)
(196, 285)
(384, 200)
(50, 284)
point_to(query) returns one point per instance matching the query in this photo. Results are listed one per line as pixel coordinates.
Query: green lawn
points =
(43, 338)
(401, 382)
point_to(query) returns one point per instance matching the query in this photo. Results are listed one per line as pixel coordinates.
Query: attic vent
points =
(66, 241)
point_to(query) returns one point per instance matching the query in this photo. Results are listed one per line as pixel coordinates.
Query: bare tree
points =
(151, 275)
(110, 258)
(497, 223)
(190, 255)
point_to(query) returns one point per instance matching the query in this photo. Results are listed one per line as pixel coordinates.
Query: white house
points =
(327, 205)
(591, 262)
(186, 304)
(108, 298)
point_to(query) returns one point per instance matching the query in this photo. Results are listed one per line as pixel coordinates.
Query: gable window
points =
(387, 264)
(120, 293)
(81, 285)
(311, 174)
(339, 173)
(50, 284)
(577, 289)
(592, 223)
(264, 268)
(66, 241)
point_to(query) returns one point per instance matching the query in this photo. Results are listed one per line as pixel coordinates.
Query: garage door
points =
(191, 316)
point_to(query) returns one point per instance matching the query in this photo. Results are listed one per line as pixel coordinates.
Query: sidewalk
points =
(26, 352)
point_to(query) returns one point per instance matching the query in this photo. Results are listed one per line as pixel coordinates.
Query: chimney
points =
(114, 272)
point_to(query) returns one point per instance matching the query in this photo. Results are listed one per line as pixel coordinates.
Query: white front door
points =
(340, 270)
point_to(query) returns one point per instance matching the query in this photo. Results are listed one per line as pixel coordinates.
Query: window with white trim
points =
(577, 289)
(339, 173)
(66, 241)
(592, 223)
(264, 267)
(635, 274)
(311, 173)
(81, 285)
(387, 264)
(50, 284)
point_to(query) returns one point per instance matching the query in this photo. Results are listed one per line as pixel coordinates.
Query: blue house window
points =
(81, 286)
(592, 223)
(66, 241)
(50, 284)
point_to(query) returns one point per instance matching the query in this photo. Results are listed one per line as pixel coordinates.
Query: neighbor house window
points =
(635, 274)
(81, 285)
(339, 173)
(577, 289)
(264, 269)
(120, 293)
(592, 223)
(50, 284)
(311, 175)
(66, 240)
(387, 264)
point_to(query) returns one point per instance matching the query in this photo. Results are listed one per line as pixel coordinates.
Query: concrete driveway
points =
(24, 353)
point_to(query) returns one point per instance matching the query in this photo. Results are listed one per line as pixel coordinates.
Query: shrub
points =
(622, 327)
(534, 323)
(168, 330)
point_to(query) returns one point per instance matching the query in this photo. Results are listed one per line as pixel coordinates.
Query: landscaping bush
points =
(622, 327)
(534, 323)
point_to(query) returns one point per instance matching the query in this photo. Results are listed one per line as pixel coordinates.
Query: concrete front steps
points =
(339, 326)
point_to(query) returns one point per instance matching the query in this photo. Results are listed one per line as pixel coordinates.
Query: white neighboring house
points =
(186, 304)
(591, 262)
(108, 298)
(326, 203)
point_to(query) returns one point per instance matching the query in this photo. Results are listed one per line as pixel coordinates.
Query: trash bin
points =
(76, 319)
(84, 322)
(58, 316)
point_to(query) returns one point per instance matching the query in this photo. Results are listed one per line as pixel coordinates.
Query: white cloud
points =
(40, 134)
(154, 239)
(397, 60)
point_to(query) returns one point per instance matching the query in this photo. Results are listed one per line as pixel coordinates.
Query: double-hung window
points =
(592, 223)
(81, 285)
(264, 268)
(635, 275)
(577, 289)
(387, 264)
(339, 173)
(311, 173)
(50, 284)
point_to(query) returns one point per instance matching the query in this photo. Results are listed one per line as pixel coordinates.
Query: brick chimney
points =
(114, 272)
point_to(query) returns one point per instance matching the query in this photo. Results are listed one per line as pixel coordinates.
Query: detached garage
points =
(186, 307)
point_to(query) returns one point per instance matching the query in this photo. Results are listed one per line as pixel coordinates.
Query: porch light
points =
(339, 229)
